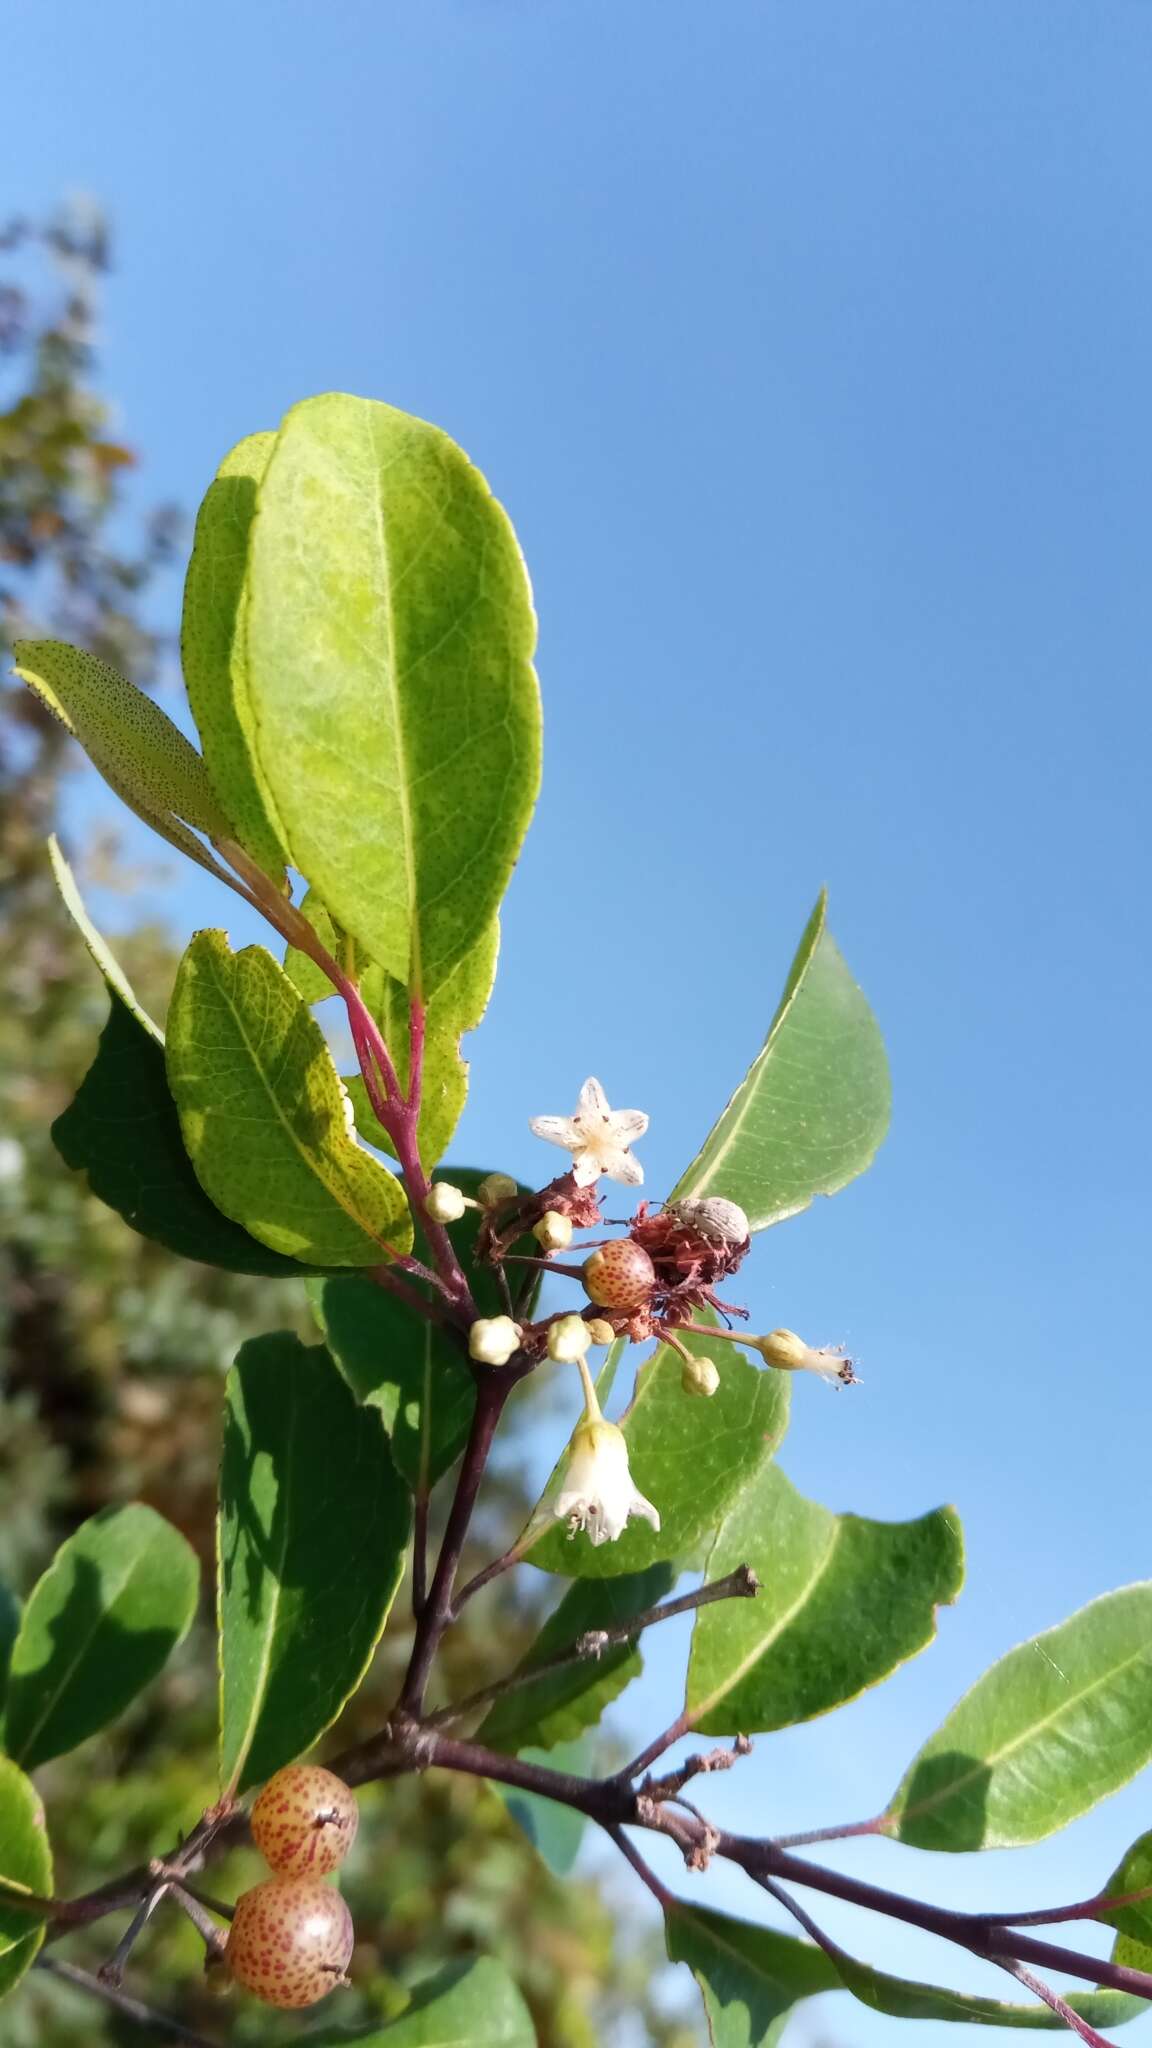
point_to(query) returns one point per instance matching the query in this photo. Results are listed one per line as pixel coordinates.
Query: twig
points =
(740, 1584)
(843, 1833)
(129, 2008)
(492, 1391)
(420, 1550)
(112, 1972)
(484, 1578)
(1059, 2006)
(664, 1898)
(682, 1725)
(671, 1786)
(1083, 1909)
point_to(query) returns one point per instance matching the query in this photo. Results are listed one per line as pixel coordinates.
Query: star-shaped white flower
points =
(597, 1137)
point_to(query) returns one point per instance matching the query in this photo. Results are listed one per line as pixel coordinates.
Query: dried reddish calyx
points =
(290, 1941)
(304, 1821)
(699, 1241)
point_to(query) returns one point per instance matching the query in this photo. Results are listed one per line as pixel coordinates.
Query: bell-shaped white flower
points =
(596, 1490)
(597, 1136)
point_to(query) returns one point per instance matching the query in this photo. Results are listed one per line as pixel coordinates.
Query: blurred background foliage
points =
(112, 1352)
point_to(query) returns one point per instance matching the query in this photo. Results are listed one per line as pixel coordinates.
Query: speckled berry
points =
(304, 1821)
(619, 1275)
(290, 1941)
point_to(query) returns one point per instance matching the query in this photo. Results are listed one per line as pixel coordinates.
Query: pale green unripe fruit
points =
(445, 1204)
(493, 1339)
(496, 1188)
(781, 1348)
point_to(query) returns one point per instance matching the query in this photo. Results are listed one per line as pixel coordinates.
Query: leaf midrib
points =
(393, 690)
(710, 1166)
(314, 1162)
(265, 1664)
(997, 1756)
(754, 1656)
(83, 1647)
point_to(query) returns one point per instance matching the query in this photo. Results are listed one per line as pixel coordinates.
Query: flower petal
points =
(593, 1102)
(629, 1124)
(557, 1130)
(586, 1168)
(622, 1167)
(639, 1506)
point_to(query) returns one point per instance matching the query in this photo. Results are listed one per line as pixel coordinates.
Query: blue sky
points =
(807, 346)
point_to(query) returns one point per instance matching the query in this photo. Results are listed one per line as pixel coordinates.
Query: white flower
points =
(493, 1339)
(568, 1339)
(596, 1493)
(789, 1353)
(597, 1137)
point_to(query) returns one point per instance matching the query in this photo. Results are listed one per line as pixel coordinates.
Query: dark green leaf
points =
(314, 1525)
(555, 1831)
(25, 1866)
(560, 1707)
(813, 1107)
(1050, 1730)
(102, 1622)
(687, 1456)
(842, 1602)
(9, 1629)
(752, 1976)
(122, 1130)
(409, 1368)
(212, 645)
(390, 635)
(262, 1113)
(467, 2005)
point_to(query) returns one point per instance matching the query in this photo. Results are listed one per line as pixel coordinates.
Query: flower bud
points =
(699, 1376)
(496, 1188)
(445, 1204)
(493, 1339)
(553, 1233)
(568, 1339)
(599, 1332)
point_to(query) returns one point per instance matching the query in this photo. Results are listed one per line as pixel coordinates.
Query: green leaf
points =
(262, 1113)
(751, 1977)
(560, 1707)
(814, 1105)
(122, 1129)
(457, 1007)
(102, 1622)
(842, 1602)
(399, 1362)
(408, 1368)
(467, 2005)
(134, 745)
(688, 1456)
(314, 1526)
(1132, 1874)
(212, 645)
(397, 722)
(555, 1831)
(1050, 1730)
(25, 1866)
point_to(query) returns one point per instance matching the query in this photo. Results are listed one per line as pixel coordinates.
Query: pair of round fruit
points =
(292, 1936)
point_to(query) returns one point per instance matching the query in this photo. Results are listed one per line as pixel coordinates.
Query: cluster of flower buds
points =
(291, 1937)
